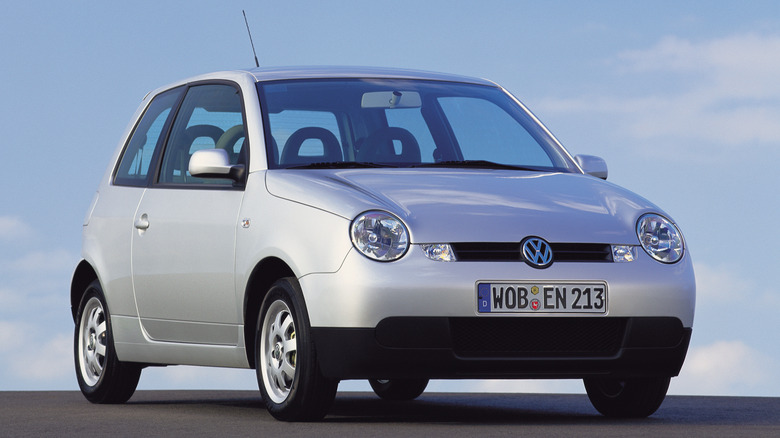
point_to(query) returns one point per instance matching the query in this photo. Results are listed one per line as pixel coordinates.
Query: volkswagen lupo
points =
(323, 224)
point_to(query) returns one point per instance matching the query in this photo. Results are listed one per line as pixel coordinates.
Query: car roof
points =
(318, 72)
(263, 74)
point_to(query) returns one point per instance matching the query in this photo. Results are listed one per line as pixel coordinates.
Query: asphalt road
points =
(242, 413)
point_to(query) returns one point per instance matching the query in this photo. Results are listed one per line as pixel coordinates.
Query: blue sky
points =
(682, 99)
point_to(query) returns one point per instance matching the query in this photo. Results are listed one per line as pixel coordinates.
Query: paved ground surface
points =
(242, 413)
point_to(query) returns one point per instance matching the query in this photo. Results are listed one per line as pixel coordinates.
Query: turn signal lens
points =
(623, 253)
(440, 252)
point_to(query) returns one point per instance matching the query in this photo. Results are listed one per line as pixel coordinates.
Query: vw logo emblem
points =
(537, 252)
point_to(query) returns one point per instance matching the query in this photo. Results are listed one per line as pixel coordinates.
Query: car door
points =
(183, 246)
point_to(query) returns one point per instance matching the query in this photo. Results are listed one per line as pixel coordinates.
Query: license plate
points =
(504, 297)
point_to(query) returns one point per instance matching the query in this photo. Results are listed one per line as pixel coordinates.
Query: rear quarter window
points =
(145, 141)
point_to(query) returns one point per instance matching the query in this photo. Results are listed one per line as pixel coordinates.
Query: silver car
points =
(324, 224)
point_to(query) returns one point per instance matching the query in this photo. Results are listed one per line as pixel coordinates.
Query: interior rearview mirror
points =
(391, 99)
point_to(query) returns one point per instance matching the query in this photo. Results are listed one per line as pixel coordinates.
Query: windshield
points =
(402, 123)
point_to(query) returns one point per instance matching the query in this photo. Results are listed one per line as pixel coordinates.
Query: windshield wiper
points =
(475, 164)
(339, 165)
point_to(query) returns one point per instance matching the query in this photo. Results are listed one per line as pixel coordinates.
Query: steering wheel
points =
(228, 141)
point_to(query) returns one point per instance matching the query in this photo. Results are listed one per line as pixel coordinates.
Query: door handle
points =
(142, 222)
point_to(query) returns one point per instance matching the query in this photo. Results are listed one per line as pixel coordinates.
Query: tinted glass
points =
(210, 117)
(411, 119)
(136, 162)
(484, 131)
(403, 123)
(288, 122)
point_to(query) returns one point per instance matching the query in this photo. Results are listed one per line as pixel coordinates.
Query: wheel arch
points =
(265, 273)
(82, 277)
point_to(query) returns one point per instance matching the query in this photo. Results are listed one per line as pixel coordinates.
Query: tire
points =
(398, 389)
(102, 377)
(637, 398)
(288, 375)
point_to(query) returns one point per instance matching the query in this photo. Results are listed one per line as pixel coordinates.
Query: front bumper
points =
(418, 318)
(452, 348)
(363, 292)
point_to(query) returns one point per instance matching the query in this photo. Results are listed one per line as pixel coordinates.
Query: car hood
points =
(465, 205)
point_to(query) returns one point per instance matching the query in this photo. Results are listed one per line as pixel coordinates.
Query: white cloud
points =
(12, 335)
(359, 386)
(726, 368)
(508, 386)
(190, 377)
(51, 361)
(678, 54)
(32, 358)
(723, 93)
(36, 279)
(12, 301)
(13, 228)
(743, 66)
(527, 386)
(717, 283)
(55, 260)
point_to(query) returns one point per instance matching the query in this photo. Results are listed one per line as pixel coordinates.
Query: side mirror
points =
(592, 165)
(214, 163)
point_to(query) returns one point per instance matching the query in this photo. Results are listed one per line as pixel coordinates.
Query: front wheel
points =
(635, 398)
(398, 389)
(102, 377)
(289, 377)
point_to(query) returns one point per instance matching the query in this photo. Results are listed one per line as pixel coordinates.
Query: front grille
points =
(500, 251)
(537, 337)
(581, 252)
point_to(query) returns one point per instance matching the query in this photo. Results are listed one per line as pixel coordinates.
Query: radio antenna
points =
(250, 38)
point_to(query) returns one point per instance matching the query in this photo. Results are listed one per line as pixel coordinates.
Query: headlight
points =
(379, 236)
(660, 238)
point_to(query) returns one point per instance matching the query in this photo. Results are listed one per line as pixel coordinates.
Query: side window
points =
(135, 164)
(210, 117)
(485, 131)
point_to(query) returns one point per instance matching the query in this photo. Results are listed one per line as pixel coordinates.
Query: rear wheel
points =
(102, 377)
(289, 377)
(635, 398)
(398, 389)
